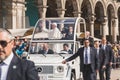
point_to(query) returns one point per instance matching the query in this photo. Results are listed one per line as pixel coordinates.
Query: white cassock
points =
(54, 34)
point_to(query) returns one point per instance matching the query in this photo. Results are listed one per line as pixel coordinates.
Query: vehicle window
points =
(55, 29)
(51, 48)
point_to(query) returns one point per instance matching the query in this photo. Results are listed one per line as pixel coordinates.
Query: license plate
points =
(43, 77)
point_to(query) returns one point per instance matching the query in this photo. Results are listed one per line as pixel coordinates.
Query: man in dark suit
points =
(87, 36)
(70, 34)
(11, 66)
(101, 59)
(33, 48)
(109, 57)
(88, 61)
(45, 50)
(66, 49)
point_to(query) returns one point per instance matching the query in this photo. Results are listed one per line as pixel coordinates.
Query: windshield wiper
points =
(44, 55)
(60, 54)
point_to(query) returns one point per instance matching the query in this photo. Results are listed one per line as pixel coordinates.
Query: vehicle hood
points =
(48, 59)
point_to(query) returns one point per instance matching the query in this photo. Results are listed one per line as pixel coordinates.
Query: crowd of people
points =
(97, 57)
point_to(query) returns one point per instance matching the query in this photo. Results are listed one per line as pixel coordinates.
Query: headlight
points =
(60, 68)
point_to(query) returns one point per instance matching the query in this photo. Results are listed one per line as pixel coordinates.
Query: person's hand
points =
(97, 71)
(103, 67)
(64, 62)
(110, 63)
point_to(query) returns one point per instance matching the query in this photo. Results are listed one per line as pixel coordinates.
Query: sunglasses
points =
(4, 43)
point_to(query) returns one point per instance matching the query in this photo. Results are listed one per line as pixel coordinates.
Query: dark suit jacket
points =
(20, 69)
(109, 53)
(69, 36)
(43, 52)
(31, 50)
(80, 53)
(101, 58)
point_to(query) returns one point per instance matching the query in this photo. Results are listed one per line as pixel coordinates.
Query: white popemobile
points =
(49, 65)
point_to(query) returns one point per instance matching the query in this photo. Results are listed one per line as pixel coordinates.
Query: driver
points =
(46, 49)
(66, 49)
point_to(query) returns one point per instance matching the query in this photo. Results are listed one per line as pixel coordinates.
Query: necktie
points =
(86, 57)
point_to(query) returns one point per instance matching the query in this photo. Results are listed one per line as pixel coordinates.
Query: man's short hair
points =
(86, 40)
(65, 45)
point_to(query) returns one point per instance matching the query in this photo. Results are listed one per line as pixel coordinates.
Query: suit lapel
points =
(12, 68)
(91, 57)
(83, 52)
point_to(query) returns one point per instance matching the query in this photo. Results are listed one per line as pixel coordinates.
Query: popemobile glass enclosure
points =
(53, 40)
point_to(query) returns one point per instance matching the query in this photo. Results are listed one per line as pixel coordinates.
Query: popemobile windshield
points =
(53, 40)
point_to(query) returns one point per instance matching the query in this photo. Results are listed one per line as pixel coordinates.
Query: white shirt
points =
(104, 46)
(88, 54)
(5, 66)
(33, 48)
(97, 51)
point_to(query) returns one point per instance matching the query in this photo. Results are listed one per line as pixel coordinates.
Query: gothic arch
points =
(111, 8)
(89, 2)
(69, 8)
(75, 5)
(118, 14)
(99, 15)
(72, 6)
(99, 12)
(92, 7)
(87, 12)
(101, 4)
(111, 22)
(51, 9)
(86, 9)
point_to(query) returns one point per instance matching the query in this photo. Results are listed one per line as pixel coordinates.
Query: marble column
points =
(14, 17)
(77, 14)
(61, 7)
(105, 26)
(92, 19)
(42, 11)
(18, 11)
(61, 12)
(115, 29)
